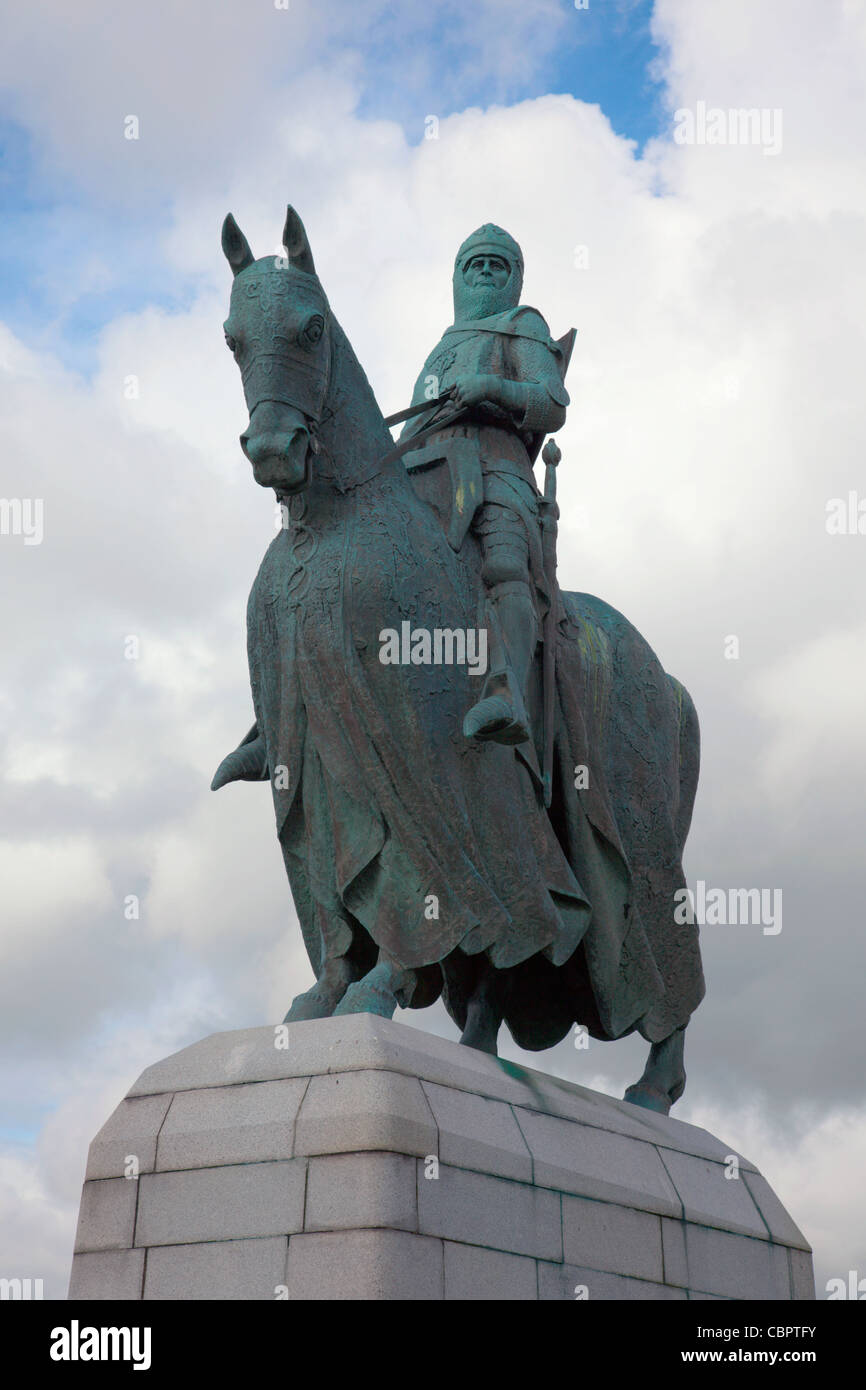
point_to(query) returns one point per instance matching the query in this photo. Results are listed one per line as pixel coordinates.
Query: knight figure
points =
(499, 367)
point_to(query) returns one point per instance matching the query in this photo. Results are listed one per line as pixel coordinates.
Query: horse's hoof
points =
(323, 998)
(649, 1097)
(494, 720)
(366, 997)
(312, 1005)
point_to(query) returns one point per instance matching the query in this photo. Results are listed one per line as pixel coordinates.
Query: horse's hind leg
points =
(664, 1076)
(484, 1014)
(476, 999)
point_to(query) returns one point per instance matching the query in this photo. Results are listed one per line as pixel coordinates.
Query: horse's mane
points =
(353, 429)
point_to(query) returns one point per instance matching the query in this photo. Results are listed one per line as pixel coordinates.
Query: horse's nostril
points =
(244, 441)
(295, 438)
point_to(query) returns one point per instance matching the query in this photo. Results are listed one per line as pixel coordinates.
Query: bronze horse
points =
(422, 863)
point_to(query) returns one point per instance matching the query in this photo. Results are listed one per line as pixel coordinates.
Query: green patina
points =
(427, 854)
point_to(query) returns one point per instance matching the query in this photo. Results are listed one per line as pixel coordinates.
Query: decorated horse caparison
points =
(505, 833)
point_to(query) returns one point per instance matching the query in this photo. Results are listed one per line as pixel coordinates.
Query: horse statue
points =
(523, 884)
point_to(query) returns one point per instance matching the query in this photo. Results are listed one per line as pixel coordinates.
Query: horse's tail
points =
(690, 760)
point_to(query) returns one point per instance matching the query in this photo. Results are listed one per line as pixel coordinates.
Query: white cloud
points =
(44, 884)
(813, 701)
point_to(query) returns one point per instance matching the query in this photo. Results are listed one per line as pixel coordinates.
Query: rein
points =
(406, 445)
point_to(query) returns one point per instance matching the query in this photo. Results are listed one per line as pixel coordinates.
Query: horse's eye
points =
(312, 331)
(231, 343)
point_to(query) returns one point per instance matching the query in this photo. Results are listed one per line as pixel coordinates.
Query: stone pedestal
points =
(359, 1158)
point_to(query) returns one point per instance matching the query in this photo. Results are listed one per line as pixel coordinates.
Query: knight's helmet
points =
(481, 302)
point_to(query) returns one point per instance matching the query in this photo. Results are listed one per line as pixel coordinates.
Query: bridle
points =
(406, 445)
(312, 420)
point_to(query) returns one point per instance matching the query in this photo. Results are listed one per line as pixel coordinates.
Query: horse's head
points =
(278, 330)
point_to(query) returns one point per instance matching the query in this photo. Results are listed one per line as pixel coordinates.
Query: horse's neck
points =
(353, 432)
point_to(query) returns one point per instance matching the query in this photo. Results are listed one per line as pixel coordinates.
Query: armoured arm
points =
(538, 391)
(532, 404)
(532, 393)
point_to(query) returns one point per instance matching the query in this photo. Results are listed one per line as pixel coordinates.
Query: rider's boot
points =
(247, 763)
(500, 715)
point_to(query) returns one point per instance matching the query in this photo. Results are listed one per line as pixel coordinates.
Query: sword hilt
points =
(551, 455)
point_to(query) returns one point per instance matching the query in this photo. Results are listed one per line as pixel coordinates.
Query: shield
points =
(467, 486)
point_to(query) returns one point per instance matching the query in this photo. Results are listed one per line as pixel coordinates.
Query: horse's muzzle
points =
(280, 457)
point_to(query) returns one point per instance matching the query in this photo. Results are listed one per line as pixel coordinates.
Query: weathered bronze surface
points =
(427, 853)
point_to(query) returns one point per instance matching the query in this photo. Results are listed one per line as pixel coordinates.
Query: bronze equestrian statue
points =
(508, 839)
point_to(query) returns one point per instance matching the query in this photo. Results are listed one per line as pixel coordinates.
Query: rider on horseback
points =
(499, 364)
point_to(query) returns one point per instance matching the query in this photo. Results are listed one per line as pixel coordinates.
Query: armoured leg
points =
(500, 714)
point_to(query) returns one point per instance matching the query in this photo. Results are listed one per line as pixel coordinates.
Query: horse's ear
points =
(235, 246)
(296, 243)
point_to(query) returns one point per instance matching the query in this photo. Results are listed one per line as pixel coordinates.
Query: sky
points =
(717, 418)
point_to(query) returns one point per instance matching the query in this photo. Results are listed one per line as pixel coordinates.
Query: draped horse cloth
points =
(389, 818)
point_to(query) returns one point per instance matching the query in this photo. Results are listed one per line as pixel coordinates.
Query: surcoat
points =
(489, 448)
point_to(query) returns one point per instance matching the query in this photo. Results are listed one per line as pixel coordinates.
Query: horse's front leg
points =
(322, 1001)
(382, 990)
(476, 994)
(485, 1010)
(664, 1076)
